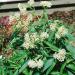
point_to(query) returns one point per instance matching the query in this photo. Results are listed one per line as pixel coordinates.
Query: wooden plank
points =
(38, 12)
(57, 2)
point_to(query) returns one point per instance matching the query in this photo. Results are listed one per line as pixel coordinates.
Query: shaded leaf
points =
(47, 64)
(71, 66)
(70, 73)
(51, 68)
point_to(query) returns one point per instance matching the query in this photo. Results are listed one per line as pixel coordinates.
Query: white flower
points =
(62, 31)
(19, 24)
(34, 37)
(44, 35)
(32, 64)
(30, 17)
(1, 56)
(46, 3)
(27, 37)
(62, 52)
(35, 63)
(15, 16)
(29, 41)
(60, 55)
(31, 2)
(40, 63)
(22, 7)
(57, 36)
(26, 45)
(53, 26)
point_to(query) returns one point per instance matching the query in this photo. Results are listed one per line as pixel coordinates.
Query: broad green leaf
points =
(23, 67)
(51, 36)
(64, 65)
(27, 72)
(50, 68)
(55, 73)
(70, 73)
(36, 73)
(44, 53)
(71, 49)
(19, 55)
(70, 37)
(19, 70)
(48, 64)
(71, 66)
(52, 47)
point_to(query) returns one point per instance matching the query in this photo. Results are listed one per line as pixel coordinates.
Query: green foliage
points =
(16, 56)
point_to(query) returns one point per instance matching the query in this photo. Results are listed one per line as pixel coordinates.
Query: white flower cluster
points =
(60, 55)
(31, 2)
(62, 31)
(22, 8)
(46, 3)
(35, 63)
(53, 26)
(44, 35)
(14, 17)
(30, 40)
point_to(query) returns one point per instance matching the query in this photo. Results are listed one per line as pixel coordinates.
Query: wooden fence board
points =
(57, 5)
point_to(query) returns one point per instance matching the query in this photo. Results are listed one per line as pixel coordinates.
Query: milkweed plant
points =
(37, 45)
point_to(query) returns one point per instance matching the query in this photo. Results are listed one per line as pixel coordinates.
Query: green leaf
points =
(71, 66)
(50, 68)
(36, 73)
(51, 36)
(19, 55)
(70, 37)
(22, 68)
(27, 72)
(70, 73)
(52, 47)
(55, 73)
(71, 49)
(64, 65)
(44, 53)
(48, 64)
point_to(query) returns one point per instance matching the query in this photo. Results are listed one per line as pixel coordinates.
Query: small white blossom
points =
(62, 31)
(60, 55)
(19, 24)
(35, 63)
(46, 3)
(44, 35)
(53, 26)
(34, 37)
(31, 2)
(30, 40)
(30, 17)
(57, 36)
(15, 16)
(22, 7)
(27, 42)
(32, 64)
(1, 56)
(40, 63)
(26, 45)
(27, 37)
(62, 52)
